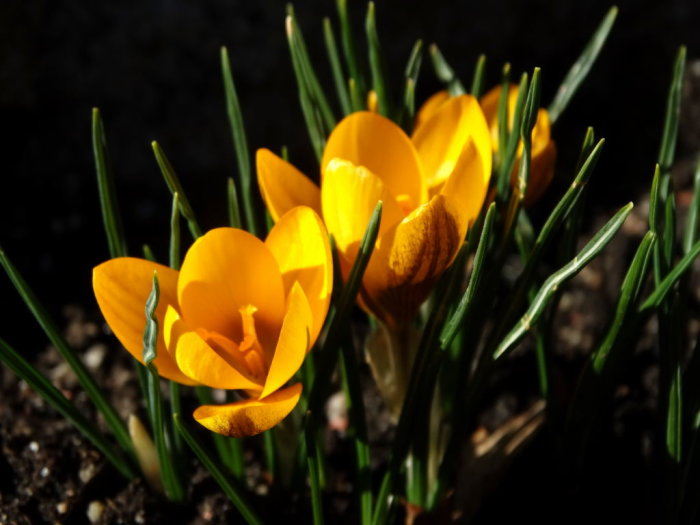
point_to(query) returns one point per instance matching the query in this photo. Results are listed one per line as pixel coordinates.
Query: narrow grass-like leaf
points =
(593, 248)
(510, 149)
(692, 222)
(172, 485)
(249, 192)
(312, 118)
(376, 65)
(666, 285)
(42, 386)
(313, 86)
(234, 213)
(673, 110)
(349, 47)
(341, 87)
(270, 450)
(148, 253)
(629, 293)
(174, 251)
(227, 485)
(581, 67)
(350, 375)
(312, 462)
(105, 185)
(355, 96)
(479, 78)
(92, 389)
(503, 118)
(674, 418)
(445, 73)
(529, 119)
(174, 186)
(411, 71)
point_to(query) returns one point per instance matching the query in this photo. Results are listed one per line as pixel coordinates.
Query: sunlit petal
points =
(283, 186)
(293, 342)
(214, 365)
(223, 271)
(299, 242)
(430, 106)
(122, 287)
(375, 142)
(251, 416)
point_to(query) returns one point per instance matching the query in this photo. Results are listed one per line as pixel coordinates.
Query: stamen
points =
(250, 346)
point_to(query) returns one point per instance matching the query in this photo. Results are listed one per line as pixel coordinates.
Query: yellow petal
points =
(403, 268)
(541, 172)
(349, 195)
(466, 188)
(251, 416)
(430, 106)
(441, 139)
(375, 142)
(121, 287)
(299, 242)
(293, 343)
(223, 271)
(213, 365)
(283, 186)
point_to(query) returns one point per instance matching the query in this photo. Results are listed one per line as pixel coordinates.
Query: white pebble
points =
(95, 510)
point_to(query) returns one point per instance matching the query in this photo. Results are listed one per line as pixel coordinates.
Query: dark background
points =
(153, 69)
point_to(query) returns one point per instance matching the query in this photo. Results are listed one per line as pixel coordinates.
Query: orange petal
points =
(299, 242)
(441, 139)
(403, 269)
(430, 106)
(251, 416)
(202, 362)
(293, 344)
(227, 269)
(541, 172)
(375, 142)
(121, 287)
(349, 195)
(283, 186)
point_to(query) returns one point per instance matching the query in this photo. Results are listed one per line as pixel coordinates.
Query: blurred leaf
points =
(581, 67)
(234, 213)
(479, 79)
(349, 47)
(376, 63)
(341, 87)
(445, 73)
(673, 110)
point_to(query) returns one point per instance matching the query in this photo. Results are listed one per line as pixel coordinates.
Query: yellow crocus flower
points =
(240, 314)
(432, 184)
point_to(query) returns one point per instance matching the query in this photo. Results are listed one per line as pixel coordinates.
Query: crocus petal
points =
(402, 270)
(541, 172)
(293, 343)
(122, 287)
(251, 416)
(349, 195)
(283, 186)
(200, 361)
(430, 106)
(223, 271)
(375, 142)
(441, 139)
(299, 242)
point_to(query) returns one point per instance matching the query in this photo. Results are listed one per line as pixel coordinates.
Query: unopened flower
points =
(240, 314)
(432, 184)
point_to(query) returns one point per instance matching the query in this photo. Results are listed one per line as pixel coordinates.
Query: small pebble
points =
(34, 446)
(62, 507)
(94, 356)
(44, 472)
(87, 472)
(95, 510)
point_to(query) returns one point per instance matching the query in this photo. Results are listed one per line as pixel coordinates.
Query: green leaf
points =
(673, 110)
(174, 186)
(312, 117)
(42, 386)
(249, 191)
(313, 86)
(355, 96)
(666, 285)
(172, 485)
(510, 150)
(581, 67)
(105, 184)
(376, 63)
(629, 293)
(230, 489)
(341, 87)
(93, 390)
(349, 47)
(690, 235)
(445, 73)
(550, 286)
(411, 71)
(529, 119)
(234, 213)
(479, 78)
(174, 252)
(314, 468)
